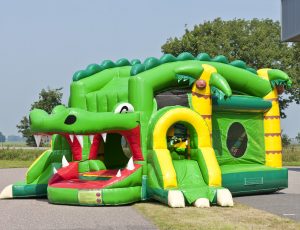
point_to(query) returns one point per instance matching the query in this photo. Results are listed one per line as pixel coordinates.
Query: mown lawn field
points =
(291, 155)
(20, 154)
(13, 144)
(238, 217)
(11, 157)
(14, 164)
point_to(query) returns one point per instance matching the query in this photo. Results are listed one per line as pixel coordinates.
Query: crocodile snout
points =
(37, 117)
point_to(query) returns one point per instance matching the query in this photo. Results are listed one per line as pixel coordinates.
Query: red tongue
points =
(73, 181)
(66, 173)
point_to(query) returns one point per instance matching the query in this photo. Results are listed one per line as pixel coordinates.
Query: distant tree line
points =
(10, 138)
(14, 138)
(2, 137)
(286, 140)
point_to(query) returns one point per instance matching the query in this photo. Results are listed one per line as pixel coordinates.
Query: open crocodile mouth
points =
(68, 175)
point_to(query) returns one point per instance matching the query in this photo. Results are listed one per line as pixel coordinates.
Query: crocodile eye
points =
(124, 108)
(71, 119)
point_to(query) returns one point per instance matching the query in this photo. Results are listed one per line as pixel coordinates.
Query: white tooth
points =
(130, 165)
(54, 170)
(91, 138)
(72, 138)
(64, 161)
(119, 174)
(80, 139)
(7, 192)
(37, 139)
(104, 136)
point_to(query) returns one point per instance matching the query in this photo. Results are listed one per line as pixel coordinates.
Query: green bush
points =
(291, 153)
(20, 154)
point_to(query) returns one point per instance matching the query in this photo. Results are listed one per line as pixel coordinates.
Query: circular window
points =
(237, 139)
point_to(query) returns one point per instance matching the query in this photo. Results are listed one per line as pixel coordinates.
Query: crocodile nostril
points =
(71, 119)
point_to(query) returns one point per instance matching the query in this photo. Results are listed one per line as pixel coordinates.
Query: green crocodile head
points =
(86, 131)
(78, 121)
(99, 114)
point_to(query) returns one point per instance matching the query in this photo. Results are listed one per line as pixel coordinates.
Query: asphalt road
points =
(284, 203)
(39, 214)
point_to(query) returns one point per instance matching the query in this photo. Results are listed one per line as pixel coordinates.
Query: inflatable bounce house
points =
(182, 130)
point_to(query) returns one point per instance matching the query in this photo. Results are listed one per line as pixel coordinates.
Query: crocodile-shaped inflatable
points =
(114, 103)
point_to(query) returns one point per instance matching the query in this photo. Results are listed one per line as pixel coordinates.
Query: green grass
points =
(291, 155)
(293, 163)
(13, 144)
(238, 217)
(20, 154)
(14, 164)
(18, 158)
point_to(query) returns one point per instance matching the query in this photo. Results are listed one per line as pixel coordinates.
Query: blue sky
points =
(44, 42)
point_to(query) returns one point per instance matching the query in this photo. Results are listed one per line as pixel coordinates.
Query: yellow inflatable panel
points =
(274, 160)
(214, 171)
(272, 125)
(203, 143)
(201, 105)
(180, 115)
(273, 96)
(167, 169)
(201, 98)
(273, 143)
(274, 111)
(263, 73)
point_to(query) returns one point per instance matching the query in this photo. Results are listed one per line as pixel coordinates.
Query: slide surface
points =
(190, 180)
